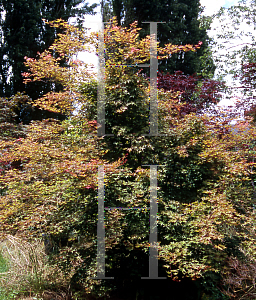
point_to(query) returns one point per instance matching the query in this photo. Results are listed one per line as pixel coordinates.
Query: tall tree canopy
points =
(181, 26)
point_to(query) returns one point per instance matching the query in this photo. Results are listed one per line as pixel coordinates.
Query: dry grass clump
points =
(28, 271)
(240, 279)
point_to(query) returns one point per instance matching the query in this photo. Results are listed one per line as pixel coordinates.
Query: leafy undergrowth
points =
(27, 275)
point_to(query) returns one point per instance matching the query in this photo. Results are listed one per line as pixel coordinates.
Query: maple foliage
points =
(124, 47)
(199, 212)
(205, 195)
(211, 205)
(239, 276)
(55, 163)
(48, 68)
(47, 164)
(196, 93)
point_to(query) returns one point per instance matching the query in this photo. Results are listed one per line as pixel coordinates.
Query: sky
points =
(211, 7)
(93, 21)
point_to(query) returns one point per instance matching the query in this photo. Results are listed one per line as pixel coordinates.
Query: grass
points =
(24, 271)
(4, 268)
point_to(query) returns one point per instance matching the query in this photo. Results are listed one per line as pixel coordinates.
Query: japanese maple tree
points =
(205, 204)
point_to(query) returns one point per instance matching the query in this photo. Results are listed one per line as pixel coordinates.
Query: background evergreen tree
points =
(182, 26)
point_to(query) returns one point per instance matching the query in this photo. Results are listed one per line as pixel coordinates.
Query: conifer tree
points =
(181, 25)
